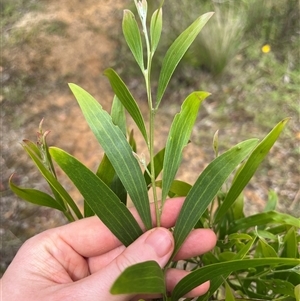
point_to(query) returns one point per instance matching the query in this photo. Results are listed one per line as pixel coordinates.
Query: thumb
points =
(156, 244)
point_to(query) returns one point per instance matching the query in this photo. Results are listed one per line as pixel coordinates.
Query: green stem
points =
(69, 216)
(147, 76)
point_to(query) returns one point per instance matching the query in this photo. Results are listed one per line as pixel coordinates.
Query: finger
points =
(173, 276)
(90, 237)
(156, 244)
(198, 242)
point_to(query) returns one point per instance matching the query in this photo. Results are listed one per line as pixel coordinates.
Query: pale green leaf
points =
(206, 187)
(142, 278)
(249, 168)
(117, 150)
(206, 273)
(176, 52)
(128, 101)
(101, 199)
(155, 29)
(133, 37)
(178, 138)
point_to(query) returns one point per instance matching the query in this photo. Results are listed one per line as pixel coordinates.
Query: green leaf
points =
(53, 182)
(176, 52)
(290, 244)
(228, 293)
(272, 201)
(36, 197)
(87, 210)
(132, 142)
(118, 114)
(106, 171)
(249, 168)
(206, 273)
(155, 29)
(264, 250)
(132, 36)
(270, 217)
(297, 292)
(106, 205)
(178, 188)
(142, 278)
(206, 187)
(278, 286)
(117, 150)
(128, 101)
(118, 188)
(178, 138)
(158, 165)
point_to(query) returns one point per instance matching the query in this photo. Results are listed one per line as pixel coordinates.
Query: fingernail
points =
(160, 240)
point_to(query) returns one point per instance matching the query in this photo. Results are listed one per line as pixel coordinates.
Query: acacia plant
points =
(256, 256)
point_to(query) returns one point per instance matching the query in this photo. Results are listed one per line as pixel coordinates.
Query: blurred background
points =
(247, 56)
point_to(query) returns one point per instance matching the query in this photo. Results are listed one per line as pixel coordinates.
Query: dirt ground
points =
(81, 55)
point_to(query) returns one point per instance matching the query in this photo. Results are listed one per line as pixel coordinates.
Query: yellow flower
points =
(266, 48)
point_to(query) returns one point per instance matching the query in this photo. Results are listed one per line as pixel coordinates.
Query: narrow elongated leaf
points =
(263, 249)
(178, 138)
(53, 182)
(117, 150)
(206, 187)
(178, 188)
(158, 166)
(106, 171)
(118, 114)
(217, 281)
(142, 278)
(106, 205)
(278, 286)
(249, 168)
(133, 37)
(206, 273)
(155, 29)
(290, 244)
(270, 217)
(297, 292)
(272, 201)
(35, 196)
(37, 153)
(228, 293)
(128, 101)
(176, 52)
(87, 210)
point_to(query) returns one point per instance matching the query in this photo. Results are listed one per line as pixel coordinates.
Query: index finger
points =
(89, 237)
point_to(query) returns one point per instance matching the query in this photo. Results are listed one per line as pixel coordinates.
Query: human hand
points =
(80, 261)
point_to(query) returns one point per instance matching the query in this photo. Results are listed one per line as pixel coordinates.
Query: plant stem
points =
(69, 215)
(152, 112)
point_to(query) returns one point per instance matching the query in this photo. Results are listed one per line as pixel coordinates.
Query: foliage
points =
(256, 256)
